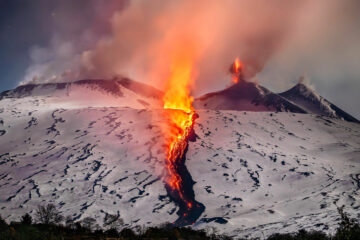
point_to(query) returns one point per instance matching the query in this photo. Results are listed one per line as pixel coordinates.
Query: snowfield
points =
(269, 172)
(91, 152)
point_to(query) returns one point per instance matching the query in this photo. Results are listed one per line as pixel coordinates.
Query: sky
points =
(29, 25)
(65, 40)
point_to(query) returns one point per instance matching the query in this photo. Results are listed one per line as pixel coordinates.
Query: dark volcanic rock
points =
(246, 96)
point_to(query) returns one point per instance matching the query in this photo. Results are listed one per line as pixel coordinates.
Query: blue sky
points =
(21, 26)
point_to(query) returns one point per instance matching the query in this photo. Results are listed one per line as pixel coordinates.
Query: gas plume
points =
(143, 33)
(213, 32)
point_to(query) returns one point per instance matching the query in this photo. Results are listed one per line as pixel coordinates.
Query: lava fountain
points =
(236, 71)
(181, 115)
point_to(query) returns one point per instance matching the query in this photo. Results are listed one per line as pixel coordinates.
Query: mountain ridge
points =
(246, 96)
(242, 96)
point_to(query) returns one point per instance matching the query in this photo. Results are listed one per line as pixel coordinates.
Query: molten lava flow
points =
(236, 69)
(181, 117)
(177, 96)
(182, 126)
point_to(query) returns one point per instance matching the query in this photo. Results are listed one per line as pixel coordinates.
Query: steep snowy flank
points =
(255, 173)
(246, 96)
(306, 97)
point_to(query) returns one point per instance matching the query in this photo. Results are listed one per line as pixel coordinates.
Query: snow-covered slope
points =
(88, 161)
(96, 93)
(267, 171)
(306, 97)
(255, 172)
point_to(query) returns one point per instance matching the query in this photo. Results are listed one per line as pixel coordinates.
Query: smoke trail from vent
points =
(286, 37)
(143, 33)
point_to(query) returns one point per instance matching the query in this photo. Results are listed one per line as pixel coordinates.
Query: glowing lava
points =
(177, 97)
(181, 115)
(176, 151)
(236, 70)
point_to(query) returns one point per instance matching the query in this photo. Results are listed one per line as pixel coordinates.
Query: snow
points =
(274, 172)
(90, 152)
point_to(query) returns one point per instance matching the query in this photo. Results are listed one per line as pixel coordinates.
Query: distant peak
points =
(303, 88)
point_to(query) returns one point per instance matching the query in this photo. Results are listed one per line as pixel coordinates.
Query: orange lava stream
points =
(176, 151)
(181, 116)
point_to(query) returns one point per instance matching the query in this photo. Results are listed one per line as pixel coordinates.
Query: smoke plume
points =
(275, 40)
(215, 32)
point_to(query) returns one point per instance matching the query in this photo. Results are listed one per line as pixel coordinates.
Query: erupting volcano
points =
(181, 117)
